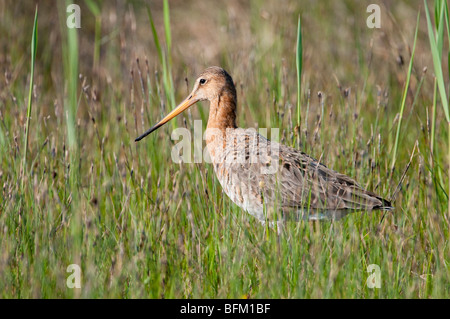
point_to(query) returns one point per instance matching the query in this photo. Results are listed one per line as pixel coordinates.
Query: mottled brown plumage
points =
(263, 177)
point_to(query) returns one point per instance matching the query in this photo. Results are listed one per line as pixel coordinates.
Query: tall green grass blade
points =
(447, 23)
(299, 65)
(433, 120)
(440, 27)
(447, 19)
(72, 84)
(437, 12)
(34, 40)
(165, 61)
(2, 140)
(405, 93)
(168, 70)
(155, 35)
(167, 25)
(70, 46)
(435, 46)
(437, 64)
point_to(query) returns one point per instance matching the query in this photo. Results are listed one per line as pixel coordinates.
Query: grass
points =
(405, 93)
(436, 45)
(30, 94)
(298, 64)
(141, 226)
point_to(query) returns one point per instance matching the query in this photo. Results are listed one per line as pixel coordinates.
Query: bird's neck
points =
(222, 112)
(222, 118)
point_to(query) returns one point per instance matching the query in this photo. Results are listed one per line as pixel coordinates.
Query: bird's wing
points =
(307, 183)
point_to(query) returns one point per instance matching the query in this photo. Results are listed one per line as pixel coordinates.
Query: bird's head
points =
(210, 85)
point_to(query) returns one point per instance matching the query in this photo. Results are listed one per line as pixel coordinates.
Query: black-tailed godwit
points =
(269, 180)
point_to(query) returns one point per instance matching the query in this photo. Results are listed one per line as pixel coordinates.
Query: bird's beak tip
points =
(180, 108)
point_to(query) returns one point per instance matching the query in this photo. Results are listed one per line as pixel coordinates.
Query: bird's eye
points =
(202, 81)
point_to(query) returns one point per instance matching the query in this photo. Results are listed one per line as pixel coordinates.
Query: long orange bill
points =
(179, 109)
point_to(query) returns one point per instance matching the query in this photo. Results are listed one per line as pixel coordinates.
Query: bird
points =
(273, 182)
